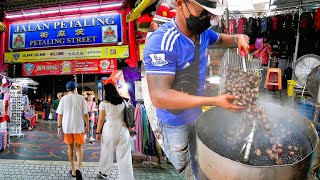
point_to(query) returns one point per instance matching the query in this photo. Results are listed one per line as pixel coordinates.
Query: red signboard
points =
(105, 66)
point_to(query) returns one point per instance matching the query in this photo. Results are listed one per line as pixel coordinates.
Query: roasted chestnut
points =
(280, 151)
(258, 152)
(279, 161)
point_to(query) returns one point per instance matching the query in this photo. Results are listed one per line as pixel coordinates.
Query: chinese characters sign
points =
(66, 32)
(67, 54)
(105, 66)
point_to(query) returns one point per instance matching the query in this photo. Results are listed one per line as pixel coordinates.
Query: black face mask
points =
(198, 24)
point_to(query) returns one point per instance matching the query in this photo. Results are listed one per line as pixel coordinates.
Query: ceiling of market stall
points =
(255, 6)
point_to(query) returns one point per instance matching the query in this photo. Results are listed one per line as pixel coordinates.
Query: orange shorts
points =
(71, 138)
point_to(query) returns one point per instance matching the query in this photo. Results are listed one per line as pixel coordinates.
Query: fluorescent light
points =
(111, 5)
(32, 14)
(89, 7)
(103, 6)
(14, 16)
(266, 6)
(70, 9)
(50, 12)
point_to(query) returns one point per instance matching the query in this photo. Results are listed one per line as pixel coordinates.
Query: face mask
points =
(198, 24)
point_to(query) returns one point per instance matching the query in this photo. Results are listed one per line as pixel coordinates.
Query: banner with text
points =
(66, 32)
(67, 54)
(105, 66)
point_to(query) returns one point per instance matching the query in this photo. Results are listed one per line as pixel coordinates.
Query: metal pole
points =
(82, 85)
(297, 41)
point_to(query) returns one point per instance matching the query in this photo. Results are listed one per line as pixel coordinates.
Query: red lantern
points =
(163, 10)
(172, 13)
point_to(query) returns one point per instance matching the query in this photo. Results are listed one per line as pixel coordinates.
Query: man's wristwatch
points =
(59, 126)
(97, 133)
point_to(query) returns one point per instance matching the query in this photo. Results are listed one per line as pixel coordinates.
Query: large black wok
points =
(220, 160)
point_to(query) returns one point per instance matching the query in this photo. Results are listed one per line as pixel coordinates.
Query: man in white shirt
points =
(73, 113)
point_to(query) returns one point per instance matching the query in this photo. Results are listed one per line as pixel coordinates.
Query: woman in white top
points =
(114, 135)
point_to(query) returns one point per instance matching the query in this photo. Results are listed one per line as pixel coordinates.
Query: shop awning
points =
(30, 83)
(2, 27)
(136, 12)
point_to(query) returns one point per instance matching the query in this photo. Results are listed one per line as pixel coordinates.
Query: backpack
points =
(288, 23)
(264, 25)
(252, 27)
(317, 20)
(274, 23)
(306, 22)
(129, 115)
(242, 25)
(232, 26)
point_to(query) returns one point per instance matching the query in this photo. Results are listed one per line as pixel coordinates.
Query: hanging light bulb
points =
(4, 80)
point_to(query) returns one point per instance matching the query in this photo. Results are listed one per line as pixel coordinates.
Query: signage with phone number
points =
(68, 54)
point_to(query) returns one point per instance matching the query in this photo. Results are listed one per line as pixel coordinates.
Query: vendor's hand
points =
(59, 133)
(225, 102)
(243, 43)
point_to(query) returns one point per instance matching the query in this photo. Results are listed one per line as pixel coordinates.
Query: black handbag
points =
(187, 80)
(129, 115)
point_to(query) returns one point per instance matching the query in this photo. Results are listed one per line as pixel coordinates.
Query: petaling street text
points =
(63, 41)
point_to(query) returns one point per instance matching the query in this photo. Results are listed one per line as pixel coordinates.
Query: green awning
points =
(136, 12)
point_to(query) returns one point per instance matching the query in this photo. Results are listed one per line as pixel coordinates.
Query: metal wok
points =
(214, 123)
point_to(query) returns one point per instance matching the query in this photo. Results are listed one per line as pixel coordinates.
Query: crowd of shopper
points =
(75, 116)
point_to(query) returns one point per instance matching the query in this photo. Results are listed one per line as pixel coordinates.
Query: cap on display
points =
(71, 86)
(212, 6)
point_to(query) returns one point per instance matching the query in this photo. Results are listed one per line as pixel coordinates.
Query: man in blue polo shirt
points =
(176, 77)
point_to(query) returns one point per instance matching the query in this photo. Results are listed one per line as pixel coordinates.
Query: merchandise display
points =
(16, 110)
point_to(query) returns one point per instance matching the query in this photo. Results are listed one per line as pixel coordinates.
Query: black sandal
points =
(72, 174)
(78, 175)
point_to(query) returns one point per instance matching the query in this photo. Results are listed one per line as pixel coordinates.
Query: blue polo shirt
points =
(169, 50)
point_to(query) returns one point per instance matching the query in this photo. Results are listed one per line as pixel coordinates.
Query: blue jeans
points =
(91, 124)
(55, 115)
(179, 145)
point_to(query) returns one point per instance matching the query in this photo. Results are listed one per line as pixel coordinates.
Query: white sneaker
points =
(91, 139)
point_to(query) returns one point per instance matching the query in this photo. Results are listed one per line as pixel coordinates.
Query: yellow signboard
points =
(141, 50)
(68, 54)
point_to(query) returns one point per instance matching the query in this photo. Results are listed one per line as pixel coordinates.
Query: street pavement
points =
(34, 170)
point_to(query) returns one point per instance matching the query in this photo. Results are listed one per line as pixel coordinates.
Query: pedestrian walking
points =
(114, 135)
(55, 107)
(72, 114)
(92, 110)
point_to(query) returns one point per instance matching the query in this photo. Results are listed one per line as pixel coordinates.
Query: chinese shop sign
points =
(68, 54)
(66, 32)
(105, 66)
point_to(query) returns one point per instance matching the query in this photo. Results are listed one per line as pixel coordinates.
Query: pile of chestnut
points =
(245, 87)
